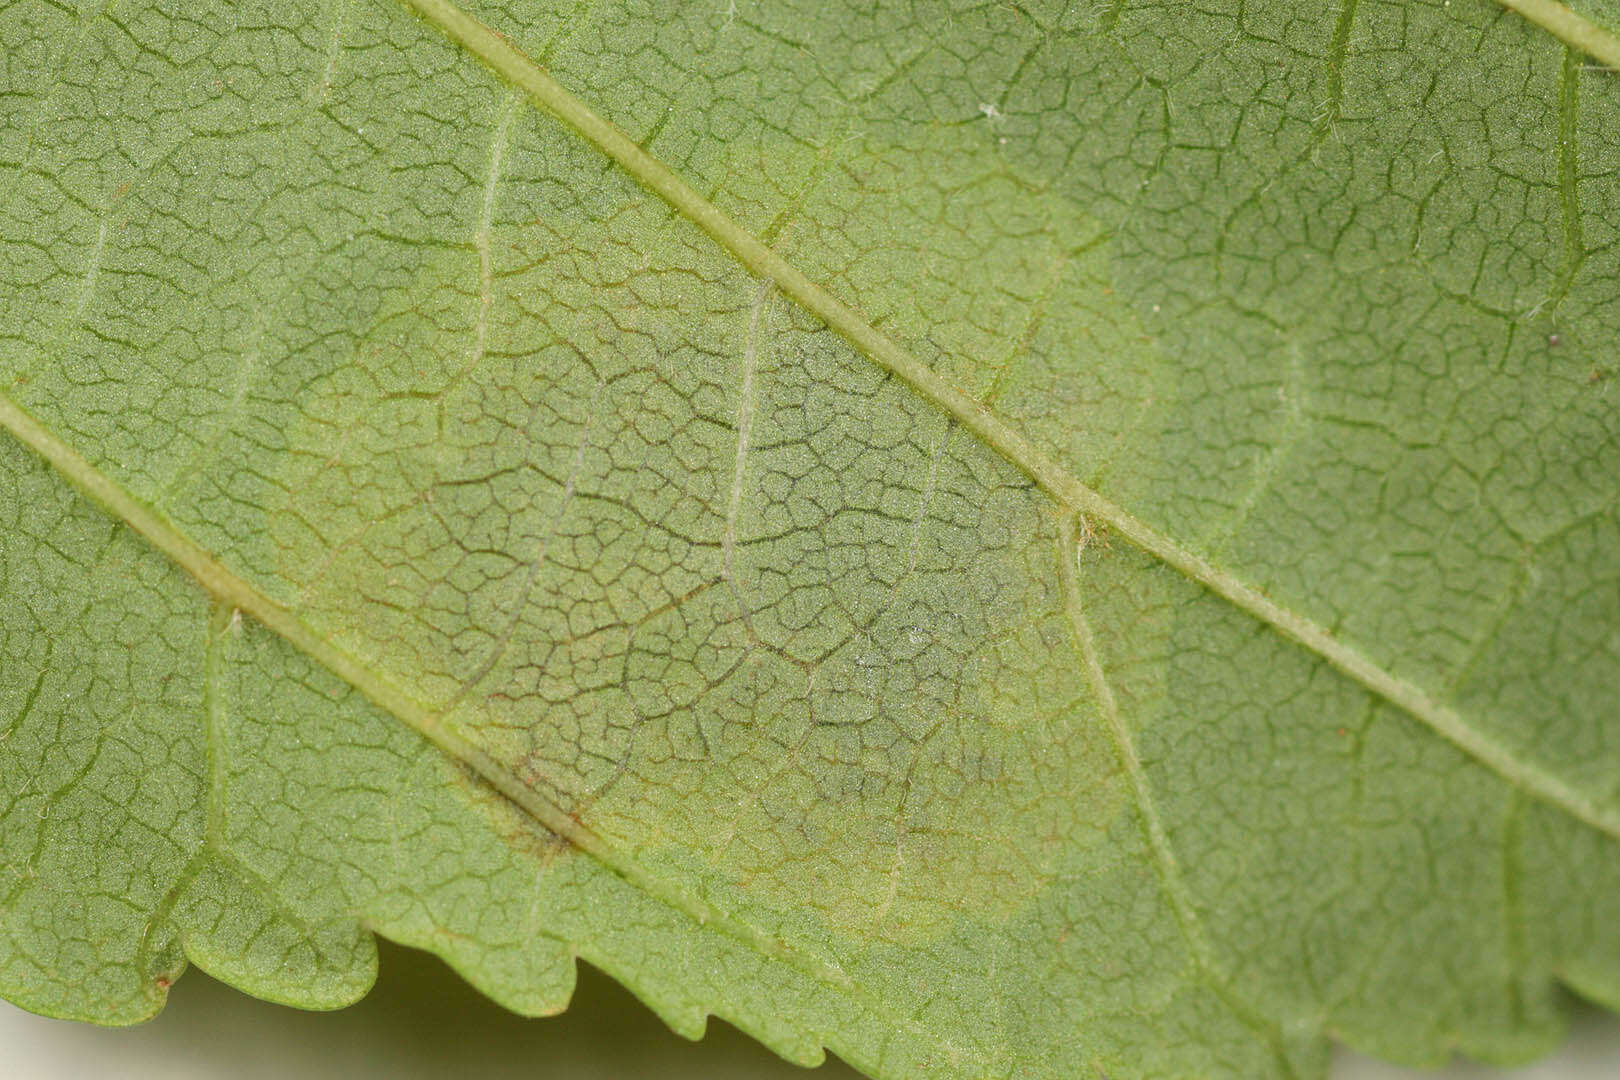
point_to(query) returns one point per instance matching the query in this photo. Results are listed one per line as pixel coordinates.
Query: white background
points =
(422, 1020)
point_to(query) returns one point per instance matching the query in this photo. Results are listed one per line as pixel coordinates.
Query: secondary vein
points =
(1171, 880)
(512, 64)
(1175, 887)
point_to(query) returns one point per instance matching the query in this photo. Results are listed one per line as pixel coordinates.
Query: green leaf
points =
(997, 540)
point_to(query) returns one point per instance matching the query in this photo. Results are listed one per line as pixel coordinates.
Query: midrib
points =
(1072, 495)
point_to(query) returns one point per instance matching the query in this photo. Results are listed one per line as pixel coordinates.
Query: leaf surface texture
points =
(1164, 613)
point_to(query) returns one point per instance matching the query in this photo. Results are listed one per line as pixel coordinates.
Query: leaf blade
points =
(947, 457)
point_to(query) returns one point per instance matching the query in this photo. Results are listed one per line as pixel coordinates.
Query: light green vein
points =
(1576, 31)
(1158, 839)
(1130, 763)
(222, 620)
(512, 64)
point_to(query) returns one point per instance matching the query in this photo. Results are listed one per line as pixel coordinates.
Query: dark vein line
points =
(503, 645)
(32, 697)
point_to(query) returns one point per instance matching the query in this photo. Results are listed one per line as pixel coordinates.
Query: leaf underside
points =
(996, 540)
